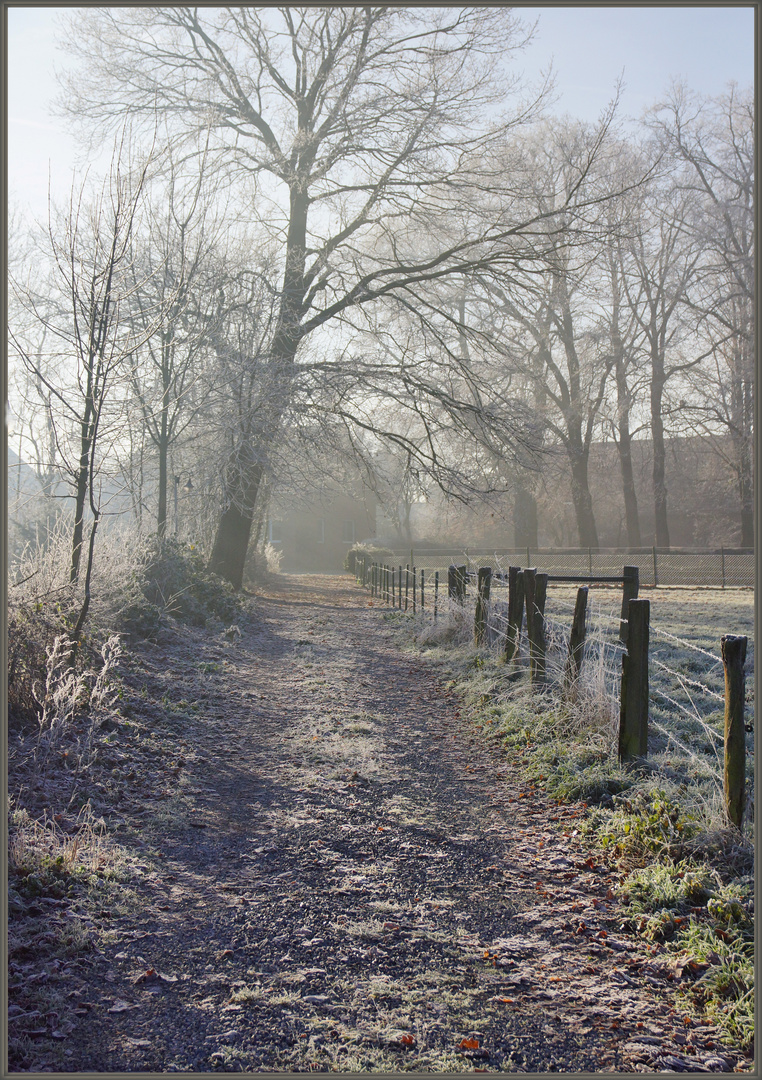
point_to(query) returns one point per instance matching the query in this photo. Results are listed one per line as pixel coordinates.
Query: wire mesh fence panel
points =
(723, 568)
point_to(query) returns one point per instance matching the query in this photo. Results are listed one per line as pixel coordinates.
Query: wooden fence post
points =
(529, 575)
(722, 556)
(462, 584)
(436, 593)
(483, 585)
(541, 591)
(733, 659)
(656, 569)
(515, 613)
(451, 586)
(576, 643)
(414, 591)
(535, 591)
(456, 583)
(630, 588)
(633, 710)
(422, 604)
(407, 585)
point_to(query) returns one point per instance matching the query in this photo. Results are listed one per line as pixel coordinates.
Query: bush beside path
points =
(312, 862)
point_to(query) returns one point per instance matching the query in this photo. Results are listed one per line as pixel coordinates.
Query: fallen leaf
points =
(469, 1044)
(121, 1006)
(407, 1040)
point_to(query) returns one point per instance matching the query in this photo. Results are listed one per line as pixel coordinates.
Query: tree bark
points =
(231, 542)
(246, 467)
(632, 520)
(581, 497)
(524, 518)
(661, 523)
(623, 402)
(83, 475)
(164, 438)
(742, 432)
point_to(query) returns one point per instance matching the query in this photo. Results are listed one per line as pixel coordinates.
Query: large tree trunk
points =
(525, 533)
(246, 467)
(231, 543)
(661, 525)
(582, 499)
(623, 401)
(742, 430)
(624, 448)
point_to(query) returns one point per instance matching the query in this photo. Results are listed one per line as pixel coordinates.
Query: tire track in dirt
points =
(348, 879)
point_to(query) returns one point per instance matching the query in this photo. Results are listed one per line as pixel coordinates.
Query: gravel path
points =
(342, 877)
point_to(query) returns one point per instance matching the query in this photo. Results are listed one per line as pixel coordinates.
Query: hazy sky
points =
(590, 48)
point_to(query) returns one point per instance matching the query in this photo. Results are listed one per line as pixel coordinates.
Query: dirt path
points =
(341, 877)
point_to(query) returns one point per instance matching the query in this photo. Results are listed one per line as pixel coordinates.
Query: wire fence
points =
(686, 685)
(722, 568)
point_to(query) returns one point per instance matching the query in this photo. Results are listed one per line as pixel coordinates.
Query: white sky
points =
(590, 48)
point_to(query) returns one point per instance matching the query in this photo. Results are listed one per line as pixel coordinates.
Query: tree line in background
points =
(348, 234)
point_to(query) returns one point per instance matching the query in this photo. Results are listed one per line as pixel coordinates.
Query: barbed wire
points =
(683, 679)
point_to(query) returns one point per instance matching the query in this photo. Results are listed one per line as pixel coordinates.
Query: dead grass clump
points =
(30, 630)
(36, 847)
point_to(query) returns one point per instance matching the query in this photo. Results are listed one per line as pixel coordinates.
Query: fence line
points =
(724, 567)
(634, 631)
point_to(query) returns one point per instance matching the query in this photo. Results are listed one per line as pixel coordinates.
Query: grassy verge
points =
(87, 751)
(686, 877)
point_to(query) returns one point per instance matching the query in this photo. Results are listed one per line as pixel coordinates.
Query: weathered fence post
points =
(399, 592)
(436, 593)
(576, 643)
(541, 590)
(515, 613)
(407, 585)
(633, 711)
(535, 591)
(483, 585)
(456, 583)
(413, 571)
(656, 569)
(630, 588)
(722, 556)
(422, 604)
(733, 659)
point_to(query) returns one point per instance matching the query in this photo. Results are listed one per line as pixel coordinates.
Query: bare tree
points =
(173, 307)
(352, 126)
(551, 334)
(713, 139)
(82, 312)
(664, 261)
